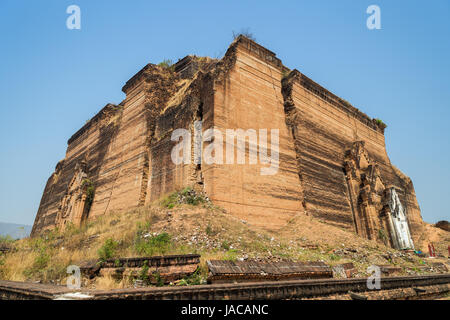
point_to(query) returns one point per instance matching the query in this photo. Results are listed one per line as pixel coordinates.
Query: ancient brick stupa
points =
(332, 163)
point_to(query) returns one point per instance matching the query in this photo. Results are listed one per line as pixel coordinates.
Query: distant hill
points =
(16, 231)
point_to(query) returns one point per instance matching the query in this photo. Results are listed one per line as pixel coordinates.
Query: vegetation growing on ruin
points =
(90, 192)
(285, 73)
(380, 123)
(244, 32)
(186, 196)
(143, 275)
(187, 228)
(383, 236)
(159, 281)
(167, 64)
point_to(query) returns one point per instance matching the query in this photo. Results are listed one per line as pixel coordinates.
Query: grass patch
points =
(231, 255)
(334, 257)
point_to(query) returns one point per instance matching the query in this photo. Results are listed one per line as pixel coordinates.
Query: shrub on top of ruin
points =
(108, 250)
(380, 123)
(244, 32)
(167, 64)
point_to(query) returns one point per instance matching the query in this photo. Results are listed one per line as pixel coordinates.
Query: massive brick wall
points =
(332, 157)
(248, 96)
(325, 129)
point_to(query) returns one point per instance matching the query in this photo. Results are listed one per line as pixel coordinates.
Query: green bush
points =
(153, 245)
(144, 273)
(158, 279)
(244, 32)
(380, 123)
(194, 279)
(189, 196)
(170, 201)
(108, 250)
(41, 260)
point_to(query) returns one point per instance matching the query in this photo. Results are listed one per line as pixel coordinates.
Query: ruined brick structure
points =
(333, 163)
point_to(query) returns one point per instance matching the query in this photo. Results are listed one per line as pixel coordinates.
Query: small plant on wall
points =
(90, 192)
(380, 123)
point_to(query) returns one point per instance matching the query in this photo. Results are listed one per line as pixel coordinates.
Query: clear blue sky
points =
(53, 79)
